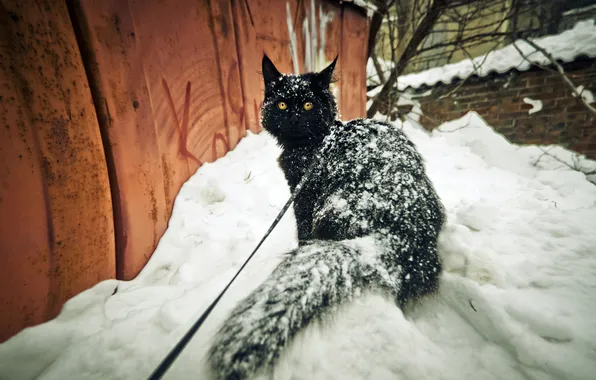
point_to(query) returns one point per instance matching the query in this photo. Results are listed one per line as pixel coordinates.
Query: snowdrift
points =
(516, 300)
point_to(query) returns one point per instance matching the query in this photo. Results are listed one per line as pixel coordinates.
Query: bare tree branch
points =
(576, 163)
(527, 58)
(426, 24)
(560, 70)
(423, 33)
(375, 23)
(476, 70)
(378, 67)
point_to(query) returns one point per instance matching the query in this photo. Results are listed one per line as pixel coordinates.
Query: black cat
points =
(368, 219)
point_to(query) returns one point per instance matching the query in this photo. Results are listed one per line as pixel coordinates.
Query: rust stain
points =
(153, 213)
(181, 127)
(167, 182)
(233, 80)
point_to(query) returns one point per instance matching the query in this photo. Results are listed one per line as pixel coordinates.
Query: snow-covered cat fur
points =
(368, 220)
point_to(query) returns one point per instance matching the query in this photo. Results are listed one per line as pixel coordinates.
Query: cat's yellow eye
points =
(308, 106)
(282, 106)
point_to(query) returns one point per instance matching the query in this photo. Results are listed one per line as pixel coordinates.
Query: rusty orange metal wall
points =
(166, 86)
(56, 234)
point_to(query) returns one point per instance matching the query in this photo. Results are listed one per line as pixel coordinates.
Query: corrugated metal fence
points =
(107, 107)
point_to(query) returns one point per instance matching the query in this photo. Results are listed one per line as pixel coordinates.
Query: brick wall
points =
(498, 98)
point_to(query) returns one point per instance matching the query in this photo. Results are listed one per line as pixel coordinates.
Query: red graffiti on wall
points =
(220, 137)
(181, 127)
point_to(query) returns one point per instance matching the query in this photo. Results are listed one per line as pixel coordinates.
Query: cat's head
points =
(298, 109)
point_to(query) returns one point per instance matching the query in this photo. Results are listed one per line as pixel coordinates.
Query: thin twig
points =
(435, 121)
(456, 129)
(561, 71)
(476, 69)
(544, 153)
(527, 58)
(575, 158)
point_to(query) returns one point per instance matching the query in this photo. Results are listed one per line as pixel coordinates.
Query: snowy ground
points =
(517, 300)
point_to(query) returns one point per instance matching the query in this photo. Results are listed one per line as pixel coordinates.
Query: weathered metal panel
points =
(167, 73)
(271, 24)
(143, 174)
(249, 63)
(229, 82)
(56, 235)
(353, 67)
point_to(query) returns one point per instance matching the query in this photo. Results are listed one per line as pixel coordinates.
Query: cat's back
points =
(371, 145)
(372, 176)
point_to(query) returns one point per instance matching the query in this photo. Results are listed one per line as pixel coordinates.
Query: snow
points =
(536, 105)
(366, 4)
(516, 299)
(372, 78)
(566, 46)
(586, 94)
(579, 10)
(407, 97)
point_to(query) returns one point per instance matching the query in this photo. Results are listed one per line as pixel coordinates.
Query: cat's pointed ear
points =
(270, 73)
(326, 75)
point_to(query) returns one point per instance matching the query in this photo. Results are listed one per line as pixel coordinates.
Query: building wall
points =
(107, 107)
(498, 99)
(484, 21)
(501, 20)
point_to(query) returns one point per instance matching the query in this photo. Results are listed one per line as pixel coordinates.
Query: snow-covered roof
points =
(365, 4)
(565, 47)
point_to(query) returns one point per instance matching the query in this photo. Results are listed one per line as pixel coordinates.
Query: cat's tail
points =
(309, 282)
